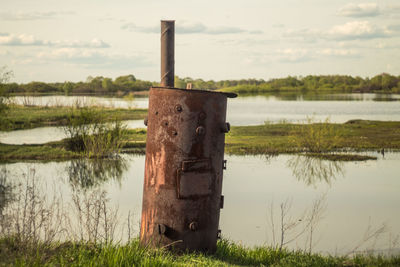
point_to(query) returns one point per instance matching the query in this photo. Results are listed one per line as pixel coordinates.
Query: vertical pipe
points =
(167, 53)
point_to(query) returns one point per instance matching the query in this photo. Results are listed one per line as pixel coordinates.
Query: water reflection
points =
(5, 190)
(325, 96)
(312, 170)
(88, 173)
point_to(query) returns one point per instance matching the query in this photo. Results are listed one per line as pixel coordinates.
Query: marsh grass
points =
(317, 137)
(88, 132)
(26, 117)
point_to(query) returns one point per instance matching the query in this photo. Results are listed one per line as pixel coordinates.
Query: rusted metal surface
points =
(167, 53)
(183, 170)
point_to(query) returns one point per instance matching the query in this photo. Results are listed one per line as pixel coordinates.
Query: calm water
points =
(256, 110)
(241, 111)
(357, 195)
(43, 135)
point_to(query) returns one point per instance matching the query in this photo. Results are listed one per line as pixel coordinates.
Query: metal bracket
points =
(226, 127)
(224, 164)
(194, 179)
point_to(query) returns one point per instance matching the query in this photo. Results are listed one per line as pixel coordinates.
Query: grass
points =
(12, 253)
(59, 150)
(26, 117)
(355, 136)
(50, 151)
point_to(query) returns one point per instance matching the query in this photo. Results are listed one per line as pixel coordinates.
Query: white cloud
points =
(293, 55)
(394, 28)
(360, 10)
(30, 40)
(190, 28)
(89, 58)
(357, 30)
(347, 53)
(33, 15)
(94, 43)
(353, 30)
(392, 11)
(305, 35)
(21, 40)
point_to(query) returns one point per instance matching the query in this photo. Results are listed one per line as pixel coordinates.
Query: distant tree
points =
(388, 81)
(124, 79)
(39, 87)
(5, 76)
(108, 85)
(68, 87)
(179, 83)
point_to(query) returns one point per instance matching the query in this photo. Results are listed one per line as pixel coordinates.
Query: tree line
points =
(127, 84)
(92, 86)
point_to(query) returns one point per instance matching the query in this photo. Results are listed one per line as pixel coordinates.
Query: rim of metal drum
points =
(227, 94)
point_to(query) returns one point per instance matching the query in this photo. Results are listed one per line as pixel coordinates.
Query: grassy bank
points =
(356, 135)
(13, 253)
(23, 117)
(353, 136)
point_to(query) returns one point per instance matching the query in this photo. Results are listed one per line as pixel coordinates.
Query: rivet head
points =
(178, 108)
(193, 226)
(200, 130)
(202, 116)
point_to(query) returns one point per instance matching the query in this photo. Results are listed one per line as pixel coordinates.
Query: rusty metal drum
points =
(183, 170)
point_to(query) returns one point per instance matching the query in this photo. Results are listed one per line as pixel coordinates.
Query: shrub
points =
(317, 137)
(87, 132)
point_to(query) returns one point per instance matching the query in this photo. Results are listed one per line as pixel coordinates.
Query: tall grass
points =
(88, 132)
(317, 137)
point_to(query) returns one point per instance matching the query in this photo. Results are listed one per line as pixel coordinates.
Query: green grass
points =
(51, 151)
(354, 136)
(13, 253)
(22, 117)
(134, 143)
(358, 135)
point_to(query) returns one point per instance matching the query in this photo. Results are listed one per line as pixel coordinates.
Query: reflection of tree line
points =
(82, 174)
(312, 170)
(5, 190)
(31, 213)
(87, 173)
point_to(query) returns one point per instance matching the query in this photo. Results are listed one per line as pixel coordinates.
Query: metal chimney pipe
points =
(167, 53)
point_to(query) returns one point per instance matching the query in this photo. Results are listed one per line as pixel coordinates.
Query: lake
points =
(355, 198)
(356, 195)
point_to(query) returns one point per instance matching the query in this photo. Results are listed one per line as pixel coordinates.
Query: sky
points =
(57, 41)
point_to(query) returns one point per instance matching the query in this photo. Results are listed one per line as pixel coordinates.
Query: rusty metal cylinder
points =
(167, 53)
(183, 170)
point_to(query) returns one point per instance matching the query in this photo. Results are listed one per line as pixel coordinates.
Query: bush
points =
(317, 137)
(87, 132)
(5, 76)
